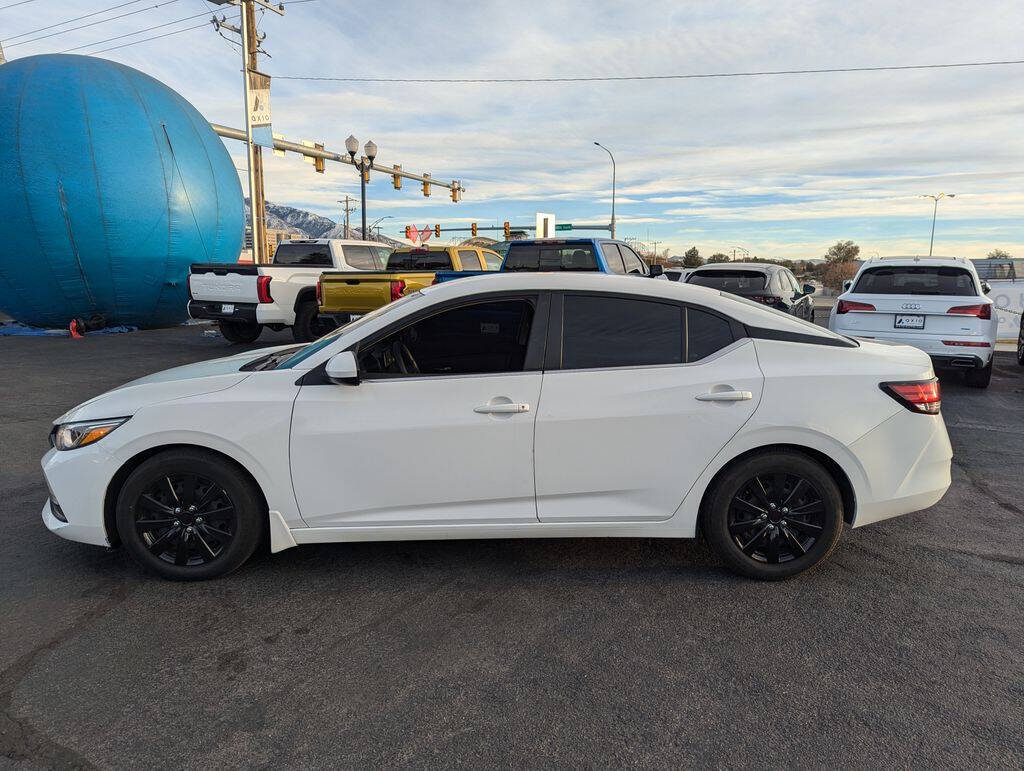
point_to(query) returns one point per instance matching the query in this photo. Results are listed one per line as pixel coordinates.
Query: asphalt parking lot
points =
(905, 649)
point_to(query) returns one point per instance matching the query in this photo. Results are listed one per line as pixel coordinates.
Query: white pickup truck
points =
(243, 298)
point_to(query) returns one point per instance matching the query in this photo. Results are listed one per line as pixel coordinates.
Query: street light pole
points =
(379, 219)
(364, 166)
(613, 183)
(935, 212)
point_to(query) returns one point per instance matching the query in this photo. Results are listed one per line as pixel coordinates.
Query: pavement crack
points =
(983, 488)
(19, 740)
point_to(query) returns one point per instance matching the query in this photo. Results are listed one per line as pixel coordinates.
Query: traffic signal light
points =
(408, 232)
(456, 191)
(397, 180)
(473, 229)
(426, 186)
(508, 231)
(318, 163)
(437, 231)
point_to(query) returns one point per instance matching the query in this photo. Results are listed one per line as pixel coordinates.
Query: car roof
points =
(740, 266)
(875, 262)
(745, 311)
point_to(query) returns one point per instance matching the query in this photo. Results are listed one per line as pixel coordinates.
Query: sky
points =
(780, 166)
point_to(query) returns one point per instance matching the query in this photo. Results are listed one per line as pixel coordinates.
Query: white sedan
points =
(517, 405)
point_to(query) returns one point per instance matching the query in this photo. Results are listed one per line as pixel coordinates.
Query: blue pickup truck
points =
(594, 255)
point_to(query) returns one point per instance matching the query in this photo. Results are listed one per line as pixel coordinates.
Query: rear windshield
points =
(550, 257)
(916, 279)
(420, 259)
(303, 254)
(735, 281)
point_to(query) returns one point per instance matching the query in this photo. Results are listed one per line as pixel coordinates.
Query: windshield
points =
(916, 279)
(742, 281)
(545, 257)
(330, 337)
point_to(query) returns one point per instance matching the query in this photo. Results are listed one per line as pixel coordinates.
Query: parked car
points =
(678, 274)
(937, 304)
(1020, 343)
(342, 296)
(577, 255)
(771, 285)
(526, 405)
(243, 298)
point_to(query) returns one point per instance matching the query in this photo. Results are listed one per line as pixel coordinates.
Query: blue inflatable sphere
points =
(111, 184)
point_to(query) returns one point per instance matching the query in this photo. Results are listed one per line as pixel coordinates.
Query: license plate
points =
(915, 321)
(227, 308)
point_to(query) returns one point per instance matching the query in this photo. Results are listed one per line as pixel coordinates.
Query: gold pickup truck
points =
(343, 295)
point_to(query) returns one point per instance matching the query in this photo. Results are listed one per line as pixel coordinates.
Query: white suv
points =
(937, 304)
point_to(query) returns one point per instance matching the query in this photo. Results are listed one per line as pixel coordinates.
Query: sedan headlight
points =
(69, 436)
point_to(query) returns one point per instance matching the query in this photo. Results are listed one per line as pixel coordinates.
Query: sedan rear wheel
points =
(189, 515)
(774, 515)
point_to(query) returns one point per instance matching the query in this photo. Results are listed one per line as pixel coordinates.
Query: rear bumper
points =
(240, 312)
(943, 356)
(961, 361)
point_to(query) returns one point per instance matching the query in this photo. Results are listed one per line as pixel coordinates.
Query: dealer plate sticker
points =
(227, 308)
(914, 321)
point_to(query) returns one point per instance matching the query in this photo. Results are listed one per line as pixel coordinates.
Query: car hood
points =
(177, 383)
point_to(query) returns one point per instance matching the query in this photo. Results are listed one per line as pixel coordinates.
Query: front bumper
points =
(79, 480)
(240, 312)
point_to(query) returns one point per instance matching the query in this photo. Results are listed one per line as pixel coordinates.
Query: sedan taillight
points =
(397, 289)
(263, 289)
(983, 311)
(918, 396)
(845, 306)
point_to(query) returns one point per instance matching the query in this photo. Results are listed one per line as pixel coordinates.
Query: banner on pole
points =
(259, 109)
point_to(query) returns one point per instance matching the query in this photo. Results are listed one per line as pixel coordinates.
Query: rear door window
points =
(613, 258)
(620, 332)
(303, 254)
(493, 259)
(551, 257)
(705, 334)
(361, 257)
(632, 261)
(469, 259)
(916, 280)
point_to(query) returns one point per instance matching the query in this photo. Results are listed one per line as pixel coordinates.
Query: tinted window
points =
(916, 279)
(617, 332)
(493, 259)
(613, 258)
(735, 281)
(361, 257)
(633, 262)
(550, 257)
(420, 259)
(705, 334)
(469, 259)
(303, 254)
(472, 339)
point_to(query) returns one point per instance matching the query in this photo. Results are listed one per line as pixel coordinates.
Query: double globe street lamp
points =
(363, 166)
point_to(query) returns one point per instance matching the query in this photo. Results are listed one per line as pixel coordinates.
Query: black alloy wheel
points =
(776, 518)
(190, 514)
(773, 514)
(185, 519)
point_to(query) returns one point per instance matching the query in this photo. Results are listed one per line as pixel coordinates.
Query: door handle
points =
(725, 396)
(501, 409)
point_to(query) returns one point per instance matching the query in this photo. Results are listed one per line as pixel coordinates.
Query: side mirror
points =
(809, 289)
(847, 284)
(342, 368)
(986, 287)
(657, 270)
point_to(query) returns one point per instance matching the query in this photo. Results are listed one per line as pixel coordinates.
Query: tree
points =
(999, 254)
(842, 251)
(838, 272)
(692, 258)
(718, 257)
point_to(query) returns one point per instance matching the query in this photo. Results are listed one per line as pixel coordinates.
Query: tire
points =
(308, 324)
(979, 378)
(738, 519)
(240, 331)
(211, 541)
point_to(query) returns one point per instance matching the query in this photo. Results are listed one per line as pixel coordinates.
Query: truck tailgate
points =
(363, 292)
(224, 283)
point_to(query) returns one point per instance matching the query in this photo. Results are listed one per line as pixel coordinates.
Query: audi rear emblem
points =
(911, 306)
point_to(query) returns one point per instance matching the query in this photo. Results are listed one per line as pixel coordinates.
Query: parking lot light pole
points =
(935, 211)
(613, 183)
(380, 219)
(363, 167)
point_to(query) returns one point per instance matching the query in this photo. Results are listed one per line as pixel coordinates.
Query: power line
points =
(5, 7)
(154, 37)
(692, 76)
(68, 21)
(136, 32)
(92, 23)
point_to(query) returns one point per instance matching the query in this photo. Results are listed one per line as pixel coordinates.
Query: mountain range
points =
(309, 225)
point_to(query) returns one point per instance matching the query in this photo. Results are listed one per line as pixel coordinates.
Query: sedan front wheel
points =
(774, 515)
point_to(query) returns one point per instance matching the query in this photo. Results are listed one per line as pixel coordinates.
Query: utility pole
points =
(348, 209)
